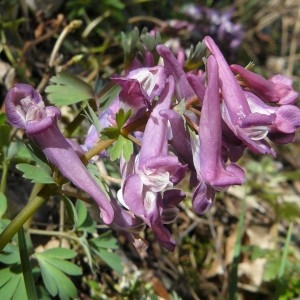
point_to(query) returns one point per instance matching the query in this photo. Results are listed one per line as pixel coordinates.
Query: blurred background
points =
(242, 244)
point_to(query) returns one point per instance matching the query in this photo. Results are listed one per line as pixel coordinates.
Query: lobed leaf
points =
(112, 259)
(93, 118)
(61, 253)
(71, 211)
(84, 220)
(10, 255)
(12, 283)
(53, 268)
(35, 174)
(121, 147)
(65, 266)
(66, 89)
(48, 279)
(110, 133)
(122, 117)
(105, 240)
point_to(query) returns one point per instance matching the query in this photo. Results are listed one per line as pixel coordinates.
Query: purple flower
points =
(217, 24)
(106, 119)
(173, 67)
(140, 87)
(138, 90)
(277, 89)
(211, 170)
(212, 167)
(154, 172)
(235, 107)
(180, 138)
(25, 109)
(283, 120)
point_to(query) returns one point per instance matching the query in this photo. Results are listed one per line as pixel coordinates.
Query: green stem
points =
(31, 207)
(5, 165)
(34, 192)
(26, 266)
(237, 252)
(60, 234)
(280, 275)
(101, 145)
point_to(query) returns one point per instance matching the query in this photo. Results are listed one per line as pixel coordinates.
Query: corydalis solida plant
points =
(199, 121)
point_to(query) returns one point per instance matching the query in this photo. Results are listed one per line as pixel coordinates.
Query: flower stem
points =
(5, 166)
(31, 207)
(100, 146)
(233, 276)
(34, 192)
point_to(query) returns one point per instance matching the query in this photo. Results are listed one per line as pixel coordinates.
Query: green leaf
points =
(288, 211)
(18, 150)
(129, 44)
(66, 89)
(4, 136)
(121, 147)
(3, 204)
(3, 224)
(62, 253)
(114, 132)
(101, 246)
(85, 221)
(23, 152)
(106, 99)
(12, 283)
(195, 60)
(37, 156)
(93, 118)
(48, 279)
(53, 268)
(71, 211)
(56, 282)
(127, 149)
(148, 42)
(114, 3)
(5, 275)
(122, 117)
(86, 247)
(20, 292)
(2, 118)
(10, 255)
(112, 259)
(43, 293)
(65, 266)
(94, 171)
(110, 132)
(81, 212)
(105, 240)
(35, 174)
(271, 270)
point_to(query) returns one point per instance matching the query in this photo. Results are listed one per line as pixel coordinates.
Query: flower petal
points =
(277, 89)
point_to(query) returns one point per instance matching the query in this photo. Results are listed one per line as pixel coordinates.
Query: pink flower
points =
(277, 89)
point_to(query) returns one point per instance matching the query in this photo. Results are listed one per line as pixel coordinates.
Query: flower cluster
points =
(196, 123)
(216, 23)
(200, 21)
